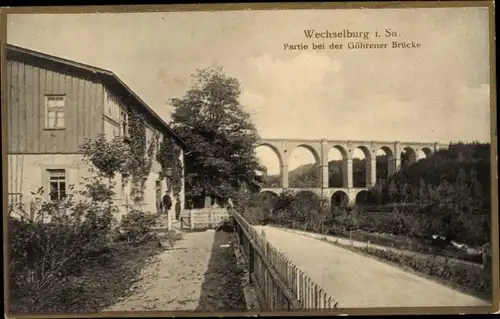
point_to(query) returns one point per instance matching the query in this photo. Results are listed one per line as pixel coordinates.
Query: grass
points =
(221, 290)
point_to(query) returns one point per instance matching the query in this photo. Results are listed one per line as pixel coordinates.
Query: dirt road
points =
(355, 280)
(197, 274)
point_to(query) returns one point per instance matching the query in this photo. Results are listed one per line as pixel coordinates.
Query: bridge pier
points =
(347, 178)
(371, 172)
(324, 176)
(284, 176)
(351, 197)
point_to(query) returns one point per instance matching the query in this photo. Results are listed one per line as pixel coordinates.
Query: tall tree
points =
(220, 135)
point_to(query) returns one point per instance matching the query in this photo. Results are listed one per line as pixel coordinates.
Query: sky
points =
(438, 92)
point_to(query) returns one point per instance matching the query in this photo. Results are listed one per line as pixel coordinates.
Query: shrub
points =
(55, 241)
(43, 253)
(136, 224)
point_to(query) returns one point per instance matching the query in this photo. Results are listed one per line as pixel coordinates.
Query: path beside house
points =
(198, 273)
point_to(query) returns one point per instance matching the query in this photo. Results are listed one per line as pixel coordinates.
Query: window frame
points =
(56, 110)
(116, 127)
(124, 123)
(64, 180)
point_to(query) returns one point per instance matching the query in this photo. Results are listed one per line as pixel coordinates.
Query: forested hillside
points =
(461, 165)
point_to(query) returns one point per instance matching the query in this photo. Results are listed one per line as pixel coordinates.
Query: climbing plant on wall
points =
(150, 153)
(169, 158)
(142, 155)
(137, 135)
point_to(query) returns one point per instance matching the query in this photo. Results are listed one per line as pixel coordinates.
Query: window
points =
(57, 184)
(55, 111)
(137, 191)
(110, 107)
(158, 145)
(124, 123)
(111, 130)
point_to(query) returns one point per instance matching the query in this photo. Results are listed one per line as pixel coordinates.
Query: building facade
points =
(53, 106)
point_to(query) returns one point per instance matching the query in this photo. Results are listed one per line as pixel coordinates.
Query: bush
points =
(136, 224)
(56, 241)
(42, 254)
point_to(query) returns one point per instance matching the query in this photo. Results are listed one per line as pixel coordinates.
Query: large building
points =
(53, 106)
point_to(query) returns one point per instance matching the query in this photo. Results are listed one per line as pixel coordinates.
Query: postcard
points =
(244, 159)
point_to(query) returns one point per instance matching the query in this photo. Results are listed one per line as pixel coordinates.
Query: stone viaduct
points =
(320, 149)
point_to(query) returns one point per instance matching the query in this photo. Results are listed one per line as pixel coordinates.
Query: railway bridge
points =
(320, 148)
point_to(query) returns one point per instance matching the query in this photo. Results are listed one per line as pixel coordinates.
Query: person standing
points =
(158, 202)
(167, 204)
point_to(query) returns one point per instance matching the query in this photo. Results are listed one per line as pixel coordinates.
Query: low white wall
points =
(28, 172)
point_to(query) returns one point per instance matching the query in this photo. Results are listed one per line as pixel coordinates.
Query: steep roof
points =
(107, 76)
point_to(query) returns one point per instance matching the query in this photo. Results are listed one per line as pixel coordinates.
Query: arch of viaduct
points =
(320, 149)
(348, 196)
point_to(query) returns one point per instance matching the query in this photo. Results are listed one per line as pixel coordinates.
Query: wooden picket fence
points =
(281, 285)
(204, 218)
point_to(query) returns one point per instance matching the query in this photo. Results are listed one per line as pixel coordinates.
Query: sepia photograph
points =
(244, 159)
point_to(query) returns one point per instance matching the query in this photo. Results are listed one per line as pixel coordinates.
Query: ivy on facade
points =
(137, 136)
(150, 153)
(169, 158)
(142, 156)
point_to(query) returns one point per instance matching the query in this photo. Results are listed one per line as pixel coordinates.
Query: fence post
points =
(308, 292)
(236, 231)
(250, 262)
(316, 297)
(301, 288)
(191, 219)
(240, 234)
(32, 209)
(233, 219)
